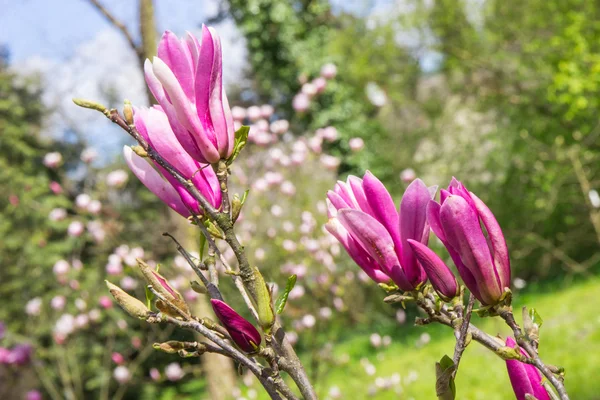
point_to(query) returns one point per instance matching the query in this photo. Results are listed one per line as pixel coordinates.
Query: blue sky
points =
(53, 29)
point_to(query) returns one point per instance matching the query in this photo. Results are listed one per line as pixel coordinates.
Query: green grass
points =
(570, 337)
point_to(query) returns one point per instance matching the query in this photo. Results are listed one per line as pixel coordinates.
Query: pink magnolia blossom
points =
(187, 81)
(154, 126)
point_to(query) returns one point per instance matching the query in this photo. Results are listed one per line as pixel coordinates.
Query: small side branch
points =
(461, 341)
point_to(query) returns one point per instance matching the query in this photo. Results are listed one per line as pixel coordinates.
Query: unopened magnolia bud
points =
(128, 112)
(197, 287)
(214, 230)
(261, 295)
(531, 328)
(139, 150)
(161, 285)
(92, 105)
(508, 353)
(236, 207)
(170, 347)
(130, 304)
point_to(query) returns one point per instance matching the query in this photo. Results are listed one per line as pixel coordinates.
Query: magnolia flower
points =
(525, 378)
(242, 332)
(481, 257)
(53, 160)
(238, 113)
(88, 155)
(75, 228)
(83, 200)
(94, 207)
(33, 306)
(55, 187)
(253, 113)
(301, 102)
(122, 374)
(266, 111)
(57, 214)
(328, 71)
(153, 125)
(187, 81)
(61, 267)
(408, 175)
(58, 302)
(363, 217)
(280, 126)
(320, 84)
(356, 144)
(329, 134)
(117, 178)
(174, 372)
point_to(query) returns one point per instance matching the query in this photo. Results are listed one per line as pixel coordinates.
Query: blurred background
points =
(503, 95)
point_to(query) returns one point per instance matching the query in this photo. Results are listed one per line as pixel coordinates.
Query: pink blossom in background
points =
(55, 187)
(315, 144)
(320, 84)
(356, 144)
(105, 302)
(129, 283)
(330, 162)
(75, 229)
(154, 374)
(329, 134)
(117, 358)
(57, 214)
(287, 188)
(58, 302)
(82, 200)
(94, 207)
(61, 267)
(174, 372)
(117, 178)
(53, 160)
(266, 111)
(114, 269)
(280, 126)
(80, 304)
(301, 102)
(328, 71)
(253, 113)
(82, 321)
(77, 264)
(13, 199)
(408, 175)
(33, 395)
(309, 90)
(88, 155)
(33, 306)
(238, 113)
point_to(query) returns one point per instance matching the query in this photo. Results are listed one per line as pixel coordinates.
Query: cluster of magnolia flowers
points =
(391, 247)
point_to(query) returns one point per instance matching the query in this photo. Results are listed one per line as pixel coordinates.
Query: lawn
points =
(570, 337)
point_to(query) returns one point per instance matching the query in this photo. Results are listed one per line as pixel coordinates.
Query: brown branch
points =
(461, 341)
(119, 25)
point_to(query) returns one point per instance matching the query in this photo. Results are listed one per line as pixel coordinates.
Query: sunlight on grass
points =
(570, 337)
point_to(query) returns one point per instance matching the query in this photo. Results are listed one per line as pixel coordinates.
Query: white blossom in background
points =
(122, 374)
(53, 160)
(594, 198)
(174, 372)
(33, 306)
(117, 178)
(375, 94)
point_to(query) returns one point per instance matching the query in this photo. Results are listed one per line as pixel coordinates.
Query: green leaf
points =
(241, 138)
(149, 298)
(282, 300)
(535, 317)
(245, 196)
(445, 387)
